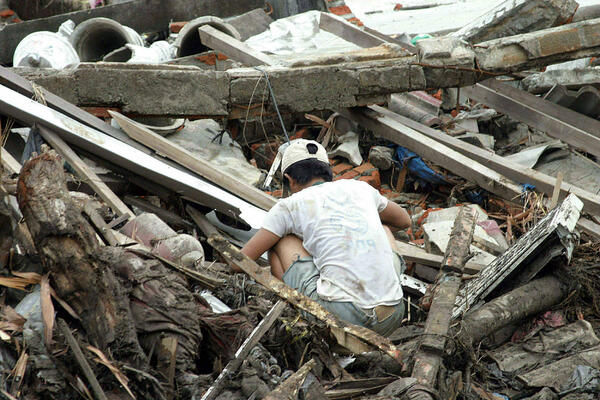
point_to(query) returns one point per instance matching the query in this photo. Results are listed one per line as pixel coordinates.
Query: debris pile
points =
(142, 144)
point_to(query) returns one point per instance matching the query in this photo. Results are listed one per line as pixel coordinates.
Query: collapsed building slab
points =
(140, 15)
(515, 17)
(188, 91)
(571, 79)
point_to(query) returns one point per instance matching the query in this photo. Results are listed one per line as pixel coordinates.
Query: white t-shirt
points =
(339, 225)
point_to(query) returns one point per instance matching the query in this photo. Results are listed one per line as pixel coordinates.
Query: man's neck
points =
(312, 182)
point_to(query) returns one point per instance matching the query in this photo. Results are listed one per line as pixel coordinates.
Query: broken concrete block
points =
(348, 149)
(547, 46)
(515, 17)
(381, 157)
(251, 23)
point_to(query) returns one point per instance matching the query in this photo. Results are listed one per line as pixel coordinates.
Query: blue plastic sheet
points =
(418, 169)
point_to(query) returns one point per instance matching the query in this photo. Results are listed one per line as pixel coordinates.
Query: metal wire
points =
(274, 102)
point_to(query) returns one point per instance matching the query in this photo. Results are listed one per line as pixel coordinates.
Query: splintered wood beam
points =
(233, 48)
(9, 163)
(81, 360)
(384, 126)
(350, 33)
(558, 122)
(240, 355)
(85, 172)
(188, 160)
(291, 386)
(429, 357)
(357, 339)
(412, 253)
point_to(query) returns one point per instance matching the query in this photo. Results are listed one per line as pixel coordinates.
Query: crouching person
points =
(332, 241)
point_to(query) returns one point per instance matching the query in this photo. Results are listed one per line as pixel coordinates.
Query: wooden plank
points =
(85, 172)
(412, 253)
(385, 127)
(99, 223)
(389, 39)
(233, 48)
(9, 163)
(357, 339)
(589, 227)
(240, 355)
(193, 163)
(347, 31)
(518, 173)
(546, 107)
(525, 107)
(290, 388)
(172, 219)
(431, 351)
(81, 360)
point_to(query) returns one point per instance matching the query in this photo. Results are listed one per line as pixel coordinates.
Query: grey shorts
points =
(303, 275)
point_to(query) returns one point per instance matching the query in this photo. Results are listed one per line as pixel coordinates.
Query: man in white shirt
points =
(332, 241)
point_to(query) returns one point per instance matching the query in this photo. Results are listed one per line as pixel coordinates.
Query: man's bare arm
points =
(262, 241)
(395, 216)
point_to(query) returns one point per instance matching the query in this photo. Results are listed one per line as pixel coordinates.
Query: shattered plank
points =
(388, 128)
(429, 356)
(559, 122)
(563, 218)
(240, 355)
(203, 168)
(99, 223)
(81, 360)
(347, 31)
(85, 172)
(543, 183)
(233, 48)
(354, 338)
(412, 253)
(291, 386)
(9, 163)
(141, 15)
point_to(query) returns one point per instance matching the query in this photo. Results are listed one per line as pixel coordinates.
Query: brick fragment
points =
(374, 179)
(365, 168)
(348, 175)
(341, 168)
(340, 10)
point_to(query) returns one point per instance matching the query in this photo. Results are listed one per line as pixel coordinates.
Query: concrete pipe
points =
(188, 41)
(96, 37)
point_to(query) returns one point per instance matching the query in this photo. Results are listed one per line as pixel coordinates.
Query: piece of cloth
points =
(303, 276)
(340, 227)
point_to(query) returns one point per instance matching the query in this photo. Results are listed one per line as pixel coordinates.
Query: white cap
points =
(298, 151)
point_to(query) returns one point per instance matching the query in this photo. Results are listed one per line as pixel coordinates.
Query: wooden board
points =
(388, 128)
(9, 163)
(525, 107)
(185, 158)
(518, 173)
(85, 172)
(347, 31)
(412, 253)
(233, 48)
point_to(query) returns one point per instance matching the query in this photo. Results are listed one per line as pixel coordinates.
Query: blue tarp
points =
(418, 169)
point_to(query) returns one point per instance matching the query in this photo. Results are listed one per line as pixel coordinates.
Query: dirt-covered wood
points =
(69, 250)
